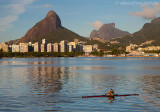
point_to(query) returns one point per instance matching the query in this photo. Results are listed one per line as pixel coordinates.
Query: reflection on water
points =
(57, 84)
(111, 99)
(151, 88)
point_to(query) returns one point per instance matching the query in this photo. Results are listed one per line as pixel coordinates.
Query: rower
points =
(111, 92)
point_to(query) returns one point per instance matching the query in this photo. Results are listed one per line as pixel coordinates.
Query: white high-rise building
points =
(63, 46)
(70, 48)
(23, 47)
(56, 47)
(49, 47)
(15, 48)
(44, 41)
(36, 47)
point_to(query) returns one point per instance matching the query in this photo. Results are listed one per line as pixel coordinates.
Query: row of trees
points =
(1, 53)
(65, 54)
(58, 54)
(40, 54)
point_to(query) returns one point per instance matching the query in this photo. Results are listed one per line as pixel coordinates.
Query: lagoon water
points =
(58, 84)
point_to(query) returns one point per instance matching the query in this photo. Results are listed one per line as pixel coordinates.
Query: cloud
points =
(148, 12)
(12, 12)
(48, 5)
(96, 24)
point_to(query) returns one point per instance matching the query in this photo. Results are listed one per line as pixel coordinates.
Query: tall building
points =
(44, 45)
(15, 48)
(30, 47)
(24, 47)
(4, 47)
(43, 48)
(63, 46)
(10, 48)
(49, 47)
(73, 44)
(79, 47)
(36, 47)
(70, 48)
(56, 47)
(44, 41)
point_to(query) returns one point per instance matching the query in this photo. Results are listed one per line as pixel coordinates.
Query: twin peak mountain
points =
(52, 30)
(49, 28)
(49, 24)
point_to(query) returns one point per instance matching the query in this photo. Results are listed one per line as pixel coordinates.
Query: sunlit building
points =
(44, 41)
(87, 48)
(36, 47)
(4, 47)
(63, 46)
(23, 47)
(131, 47)
(49, 47)
(43, 48)
(70, 48)
(56, 47)
(15, 48)
(73, 44)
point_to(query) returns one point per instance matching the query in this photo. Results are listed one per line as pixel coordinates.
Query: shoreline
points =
(88, 57)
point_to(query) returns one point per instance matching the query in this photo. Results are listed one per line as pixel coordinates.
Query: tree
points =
(1, 53)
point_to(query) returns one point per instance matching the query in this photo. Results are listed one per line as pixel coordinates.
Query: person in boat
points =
(111, 92)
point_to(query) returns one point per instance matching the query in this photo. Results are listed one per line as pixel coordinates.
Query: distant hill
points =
(148, 35)
(61, 34)
(49, 28)
(108, 32)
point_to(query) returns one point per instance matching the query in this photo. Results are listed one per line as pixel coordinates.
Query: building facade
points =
(49, 47)
(70, 48)
(4, 47)
(87, 48)
(36, 47)
(63, 46)
(44, 41)
(43, 48)
(131, 47)
(23, 47)
(15, 48)
(56, 47)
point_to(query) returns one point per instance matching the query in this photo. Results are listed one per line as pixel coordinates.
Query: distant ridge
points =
(147, 36)
(107, 32)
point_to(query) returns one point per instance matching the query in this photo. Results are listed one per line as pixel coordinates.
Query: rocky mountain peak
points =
(51, 13)
(48, 25)
(107, 32)
(94, 34)
(108, 25)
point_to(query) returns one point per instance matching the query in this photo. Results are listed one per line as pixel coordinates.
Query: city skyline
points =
(80, 16)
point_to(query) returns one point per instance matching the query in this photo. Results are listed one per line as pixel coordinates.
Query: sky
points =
(80, 16)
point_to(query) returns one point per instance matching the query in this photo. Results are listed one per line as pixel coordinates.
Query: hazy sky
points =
(80, 16)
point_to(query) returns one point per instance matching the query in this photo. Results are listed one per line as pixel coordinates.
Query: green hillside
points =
(61, 34)
(150, 31)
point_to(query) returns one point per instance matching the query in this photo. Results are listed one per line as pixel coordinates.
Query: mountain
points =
(107, 32)
(148, 35)
(49, 28)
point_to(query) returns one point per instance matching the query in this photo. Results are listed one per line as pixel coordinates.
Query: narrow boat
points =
(109, 95)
